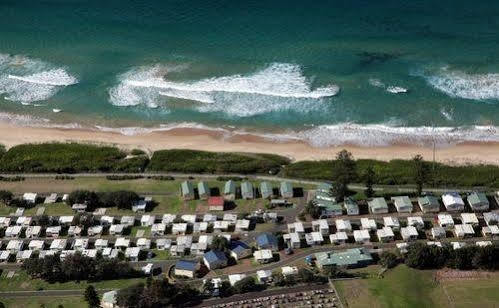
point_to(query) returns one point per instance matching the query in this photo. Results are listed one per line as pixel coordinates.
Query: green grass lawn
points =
(162, 255)
(473, 293)
(22, 282)
(46, 301)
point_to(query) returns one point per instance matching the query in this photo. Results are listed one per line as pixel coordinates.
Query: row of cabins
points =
(403, 247)
(187, 191)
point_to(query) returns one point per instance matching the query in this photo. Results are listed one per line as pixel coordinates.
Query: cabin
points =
(144, 243)
(289, 271)
(189, 218)
(338, 238)
(74, 231)
(314, 238)
(351, 207)
(168, 219)
(158, 229)
(186, 268)
(469, 219)
(296, 227)
(323, 192)
(30, 197)
(13, 246)
(491, 231)
(147, 220)
(239, 250)
(409, 233)
(233, 279)
(266, 190)
(36, 245)
(187, 191)
(264, 276)
(321, 226)
(66, 220)
(453, 202)
(286, 190)
(230, 190)
(378, 206)
(429, 204)
(33, 231)
(79, 207)
(101, 243)
(263, 256)
(391, 222)
(51, 199)
(13, 231)
(80, 244)
(128, 221)
(58, 244)
(478, 201)
(368, 224)
(491, 218)
(247, 191)
(215, 259)
(122, 243)
(216, 203)
(438, 233)
(163, 243)
(402, 203)
(106, 220)
(416, 221)
(445, 221)
(203, 190)
(242, 225)
(343, 225)
(329, 208)
(464, 230)
(132, 254)
(139, 206)
(180, 228)
(116, 229)
(53, 231)
(267, 241)
(361, 236)
(94, 230)
(292, 240)
(199, 227)
(385, 234)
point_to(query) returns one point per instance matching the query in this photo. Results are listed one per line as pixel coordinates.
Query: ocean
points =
(329, 72)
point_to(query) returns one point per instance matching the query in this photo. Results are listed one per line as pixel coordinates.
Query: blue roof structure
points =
(214, 256)
(186, 265)
(266, 240)
(238, 247)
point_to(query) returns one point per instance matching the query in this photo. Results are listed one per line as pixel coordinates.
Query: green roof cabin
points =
(429, 204)
(286, 190)
(230, 190)
(203, 190)
(478, 201)
(247, 191)
(187, 191)
(350, 258)
(323, 192)
(378, 206)
(402, 203)
(351, 206)
(329, 208)
(266, 190)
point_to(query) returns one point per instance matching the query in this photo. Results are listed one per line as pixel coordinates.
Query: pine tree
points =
(91, 297)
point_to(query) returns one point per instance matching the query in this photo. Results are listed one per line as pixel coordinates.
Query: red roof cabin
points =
(216, 203)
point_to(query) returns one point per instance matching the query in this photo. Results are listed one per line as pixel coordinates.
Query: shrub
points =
(123, 177)
(388, 259)
(137, 152)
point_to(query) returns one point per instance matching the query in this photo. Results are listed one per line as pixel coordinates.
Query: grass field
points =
(406, 287)
(46, 301)
(165, 193)
(22, 282)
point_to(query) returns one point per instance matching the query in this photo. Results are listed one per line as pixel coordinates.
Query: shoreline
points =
(212, 140)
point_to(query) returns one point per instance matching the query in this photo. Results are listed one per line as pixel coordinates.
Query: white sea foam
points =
(460, 84)
(276, 87)
(28, 80)
(447, 113)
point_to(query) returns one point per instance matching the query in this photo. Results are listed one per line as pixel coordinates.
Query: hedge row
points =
(401, 172)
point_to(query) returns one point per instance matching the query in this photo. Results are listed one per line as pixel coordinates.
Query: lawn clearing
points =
(45, 301)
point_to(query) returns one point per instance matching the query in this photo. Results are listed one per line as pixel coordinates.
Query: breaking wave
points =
(29, 80)
(277, 87)
(464, 85)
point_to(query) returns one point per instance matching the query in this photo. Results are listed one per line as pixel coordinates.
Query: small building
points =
(33, 231)
(13, 231)
(51, 199)
(147, 220)
(445, 221)
(429, 204)
(144, 243)
(90, 253)
(158, 229)
(58, 244)
(4, 222)
(231, 218)
(234, 278)
(80, 244)
(36, 245)
(314, 238)
(94, 230)
(23, 255)
(184, 240)
(4, 256)
(199, 227)
(416, 221)
(402, 203)
(289, 271)
(350, 258)
(351, 207)
(163, 243)
(122, 243)
(338, 238)
(296, 227)
(116, 229)
(323, 192)
(215, 259)
(216, 203)
(79, 207)
(30, 197)
(478, 201)
(239, 250)
(343, 225)
(128, 221)
(266, 190)
(180, 228)
(385, 234)
(402, 247)
(368, 224)
(132, 254)
(53, 231)
(286, 190)
(24, 221)
(469, 219)
(66, 220)
(186, 268)
(203, 190)
(438, 233)
(101, 243)
(109, 299)
(491, 231)
(378, 206)
(464, 230)
(491, 218)
(321, 226)
(187, 191)
(247, 191)
(329, 208)
(13, 246)
(139, 206)
(264, 276)
(189, 218)
(391, 222)
(292, 240)
(361, 236)
(263, 256)
(106, 220)
(458, 245)
(453, 202)
(230, 190)
(221, 226)
(242, 225)
(168, 219)
(267, 241)
(483, 243)
(409, 233)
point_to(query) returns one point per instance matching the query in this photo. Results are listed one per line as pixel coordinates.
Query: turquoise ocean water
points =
(323, 71)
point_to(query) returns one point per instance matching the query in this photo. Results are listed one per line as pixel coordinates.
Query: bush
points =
(12, 179)
(6, 196)
(137, 152)
(388, 259)
(190, 161)
(64, 177)
(162, 178)
(68, 158)
(123, 177)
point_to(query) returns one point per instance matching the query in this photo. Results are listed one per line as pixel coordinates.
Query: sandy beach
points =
(208, 140)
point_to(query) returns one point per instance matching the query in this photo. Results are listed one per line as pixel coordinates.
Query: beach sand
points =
(209, 140)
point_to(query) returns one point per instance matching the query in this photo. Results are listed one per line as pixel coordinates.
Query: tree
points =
(344, 171)
(130, 296)
(486, 257)
(220, 243)
(225, 289)
(369, 180)
(245, 285)
(6, 196)
(306, 275)
(209, 287)
(388, 259)
(313, 210)
(91, 297)
(421, 172)
(87, 197)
